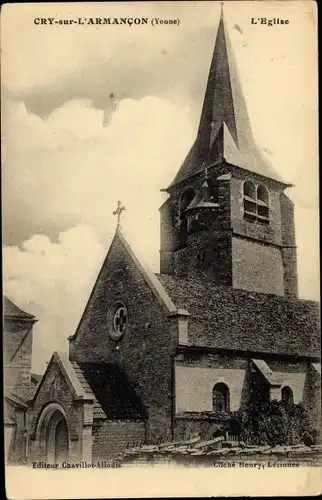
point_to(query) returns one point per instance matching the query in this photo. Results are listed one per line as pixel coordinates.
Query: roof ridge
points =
(12, 310)
(148, 274)
(235, 319)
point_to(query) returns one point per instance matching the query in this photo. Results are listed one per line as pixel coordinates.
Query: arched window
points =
(250, 190)
(256, 203)
(262, 204)
(220, 398)
(262, 194)
(287, 395)
(250, 206)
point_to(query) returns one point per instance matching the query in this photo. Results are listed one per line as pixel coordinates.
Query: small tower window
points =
(250, 206)
(287, 395)
(220, 398)
(250, 190)
(262, 204)
(256, 203)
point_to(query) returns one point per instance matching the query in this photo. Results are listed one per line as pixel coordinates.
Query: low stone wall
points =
(225, 454)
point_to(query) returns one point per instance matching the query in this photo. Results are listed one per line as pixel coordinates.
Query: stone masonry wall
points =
(111, 437)
(17, 448)
(194, 384)
(240, 253)
(289, 252)
(196, 374)
(145, 351)
(17, 352)
(257, 267)
(186, 428)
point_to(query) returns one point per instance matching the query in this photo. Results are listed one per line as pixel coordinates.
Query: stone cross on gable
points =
(118, 212)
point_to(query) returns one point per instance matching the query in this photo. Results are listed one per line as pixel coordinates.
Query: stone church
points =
(164, 356)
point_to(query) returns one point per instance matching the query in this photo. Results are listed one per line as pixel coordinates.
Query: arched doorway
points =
(57, 439)
(54, 436)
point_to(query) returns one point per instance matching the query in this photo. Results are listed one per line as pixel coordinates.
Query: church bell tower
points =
(227, 218)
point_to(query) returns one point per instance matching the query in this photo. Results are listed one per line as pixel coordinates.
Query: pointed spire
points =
(218, 106)
(221, 11)
(224, 131)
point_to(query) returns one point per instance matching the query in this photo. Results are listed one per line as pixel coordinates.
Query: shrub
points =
(273, 423)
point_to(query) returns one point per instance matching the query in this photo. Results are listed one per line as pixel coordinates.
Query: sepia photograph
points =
(160, 249)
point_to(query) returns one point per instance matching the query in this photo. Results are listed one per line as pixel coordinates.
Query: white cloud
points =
(70, 168)
(53, 281)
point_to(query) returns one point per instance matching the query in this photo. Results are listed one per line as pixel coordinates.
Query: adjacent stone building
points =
(17, 353)
(164, 356)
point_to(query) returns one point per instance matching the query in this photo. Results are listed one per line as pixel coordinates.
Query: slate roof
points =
(270, 376)
(36, 378)
(11, 310)
(103, 383)
(114, 398)
(224, 128)
(98, 412)
(226, 318)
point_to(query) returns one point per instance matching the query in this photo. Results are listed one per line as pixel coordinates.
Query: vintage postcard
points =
(161, 259)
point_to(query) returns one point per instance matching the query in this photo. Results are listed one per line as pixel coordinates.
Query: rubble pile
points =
(221, 448)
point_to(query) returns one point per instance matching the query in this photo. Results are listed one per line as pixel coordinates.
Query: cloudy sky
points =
(93, 114)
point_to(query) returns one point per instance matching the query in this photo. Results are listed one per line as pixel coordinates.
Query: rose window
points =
(120, 320)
